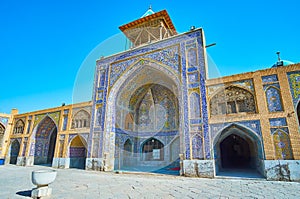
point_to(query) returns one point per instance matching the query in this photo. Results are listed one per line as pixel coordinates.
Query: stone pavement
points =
(15, 182)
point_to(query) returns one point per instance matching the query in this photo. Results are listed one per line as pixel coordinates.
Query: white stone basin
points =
(43, 177)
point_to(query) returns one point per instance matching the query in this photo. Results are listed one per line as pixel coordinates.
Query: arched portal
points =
(144, 104)
(238, 148)
(153, 150)
(77, 153)
(14, 151)
(45, 141)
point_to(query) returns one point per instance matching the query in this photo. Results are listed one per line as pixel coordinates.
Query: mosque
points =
(154, 109)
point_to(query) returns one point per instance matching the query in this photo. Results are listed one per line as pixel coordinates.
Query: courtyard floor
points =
(15, 182)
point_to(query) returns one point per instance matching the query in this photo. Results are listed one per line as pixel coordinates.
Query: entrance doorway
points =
(235, 152)
(45, 141)
(77, 153)
(238, 152)
(14, 151)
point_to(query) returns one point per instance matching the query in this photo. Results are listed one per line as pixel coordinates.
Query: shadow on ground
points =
(24, 193)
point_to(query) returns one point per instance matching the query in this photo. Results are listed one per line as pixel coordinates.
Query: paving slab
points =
(15, 182)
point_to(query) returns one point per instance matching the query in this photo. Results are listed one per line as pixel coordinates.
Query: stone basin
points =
(43, 177)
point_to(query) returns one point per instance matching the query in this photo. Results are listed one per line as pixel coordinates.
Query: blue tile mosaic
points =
(269, 78)
(275, 122)
(167, 53)
(273, 96)
(253, 125)
(294, 82)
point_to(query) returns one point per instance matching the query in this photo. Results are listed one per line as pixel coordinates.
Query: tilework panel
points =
(274, 122)
(146, 134)
(192, 56)
(282, 145)
(163, 117)
(273, 96)
(193, 77)
(206, 135)
(15, 147)
(24, 146)
(65, 122)
(77, 152)
(42, 137)
(55, 117)
(294, 81)
(254, 125)
(168, 57)
(197, 147)
(269, 78)
(285, 129)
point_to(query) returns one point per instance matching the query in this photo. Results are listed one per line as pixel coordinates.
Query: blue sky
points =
(44, 45)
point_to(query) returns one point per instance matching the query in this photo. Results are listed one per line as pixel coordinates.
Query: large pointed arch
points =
(44, 136)
(14, 151)
(235, 144)
(150, 72)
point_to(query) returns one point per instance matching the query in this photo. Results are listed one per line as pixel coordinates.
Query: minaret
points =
(152, 26)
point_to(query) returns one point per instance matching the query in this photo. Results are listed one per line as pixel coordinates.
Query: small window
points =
(231, 108)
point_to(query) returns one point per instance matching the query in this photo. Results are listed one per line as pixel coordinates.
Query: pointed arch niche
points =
(232, 99)
(45, 142)
(81, 119)
(78, 152)
(14, 151)
(282, 145)
(19, 127)
(237, 147)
